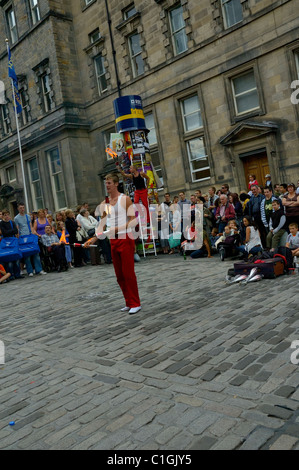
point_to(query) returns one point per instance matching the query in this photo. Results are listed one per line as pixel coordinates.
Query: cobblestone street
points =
(202, 366)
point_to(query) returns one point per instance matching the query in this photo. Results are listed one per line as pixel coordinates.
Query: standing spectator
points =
(266, 208)
(185, 213)
(283, 189)
(234, 200)
(276, 192)
(252, 181)
(254, 209)
(297, 189)
(224, 212)
(225, 189)
(277, 226)
(40, 223)
(24, 225)
(72, 227)
(268, 182)
(291, 204)
(212, 198)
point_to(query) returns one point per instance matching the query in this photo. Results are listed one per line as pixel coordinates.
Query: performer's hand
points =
(90, 242)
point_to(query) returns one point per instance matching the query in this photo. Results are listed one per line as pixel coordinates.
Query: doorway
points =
(256, 164)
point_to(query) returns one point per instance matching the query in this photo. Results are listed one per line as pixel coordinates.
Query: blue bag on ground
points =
(9, 250)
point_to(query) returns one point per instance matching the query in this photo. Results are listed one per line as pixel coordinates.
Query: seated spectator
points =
(277, 224)
(4, 276)
(8, 228)
(52, 243)
(253, 242)
(293, 239)
(205, 249)
(213, 238)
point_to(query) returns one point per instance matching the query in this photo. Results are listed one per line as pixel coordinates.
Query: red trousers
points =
(122, 251)
(141, 194)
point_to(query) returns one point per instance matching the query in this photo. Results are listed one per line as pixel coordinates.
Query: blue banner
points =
(12, 74)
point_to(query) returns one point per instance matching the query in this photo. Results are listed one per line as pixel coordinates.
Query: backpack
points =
(286, 254)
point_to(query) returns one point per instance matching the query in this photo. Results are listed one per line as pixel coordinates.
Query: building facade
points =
(218, 80)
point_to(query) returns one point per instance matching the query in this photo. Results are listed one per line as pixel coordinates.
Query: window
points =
(150, 124)
(191, 113)
(35, 13)
(25, 116)
(232, 12)
(198, 159)
(153, 142)
(56, 179)
(11, 174)
(87, 2)
(100, 74)
(136, 55)
(245, 93)
(12, 25)
(178, 34)
(128, 12)
(5, 119)
(35, 184)
(94, 36)
(196, 147)
(46, 92)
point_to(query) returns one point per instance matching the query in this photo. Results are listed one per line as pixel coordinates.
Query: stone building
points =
(218, 80)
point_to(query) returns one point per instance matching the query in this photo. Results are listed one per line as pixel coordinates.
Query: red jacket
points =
(229, 212)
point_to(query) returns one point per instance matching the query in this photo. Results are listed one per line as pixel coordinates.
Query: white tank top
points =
(117, 215)
(254, 238)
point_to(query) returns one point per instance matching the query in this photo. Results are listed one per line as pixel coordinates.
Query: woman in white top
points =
(253, 242)
(88, 222)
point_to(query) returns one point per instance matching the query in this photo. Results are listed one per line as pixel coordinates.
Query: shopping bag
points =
(28, 245)
(9, 250)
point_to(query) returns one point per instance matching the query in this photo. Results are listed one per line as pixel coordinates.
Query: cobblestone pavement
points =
(202, 366)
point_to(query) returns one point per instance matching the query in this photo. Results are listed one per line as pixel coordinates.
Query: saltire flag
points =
(12, 74)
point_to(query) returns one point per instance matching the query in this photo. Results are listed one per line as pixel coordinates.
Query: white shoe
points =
(134, 310)
(30, 275)
(125, 309)
(42, 273)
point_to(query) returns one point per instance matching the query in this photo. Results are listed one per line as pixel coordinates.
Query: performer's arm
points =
(144, 175)
(126, 175)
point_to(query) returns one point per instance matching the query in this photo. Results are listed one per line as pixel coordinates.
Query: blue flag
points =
(12, 74)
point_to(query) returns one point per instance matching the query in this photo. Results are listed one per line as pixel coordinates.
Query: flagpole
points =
(19, 138)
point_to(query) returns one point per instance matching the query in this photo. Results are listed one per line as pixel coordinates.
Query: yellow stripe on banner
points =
(135, 114)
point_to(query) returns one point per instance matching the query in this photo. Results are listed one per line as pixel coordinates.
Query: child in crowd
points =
(293, 239)
(63, 236)
(213, 238)
(252, 180)
(4, 276)
(277, 225)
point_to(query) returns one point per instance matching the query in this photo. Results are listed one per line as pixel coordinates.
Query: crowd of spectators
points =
(260, 218)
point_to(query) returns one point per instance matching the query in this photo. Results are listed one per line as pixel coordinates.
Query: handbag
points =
(81, 235)
(91, 232)
(174, 240)
(28, 244)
